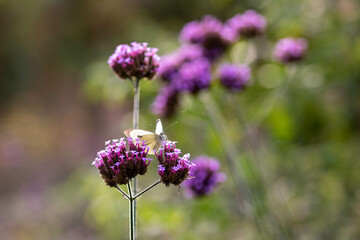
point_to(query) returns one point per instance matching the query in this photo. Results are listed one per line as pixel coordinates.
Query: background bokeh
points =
(59, 102)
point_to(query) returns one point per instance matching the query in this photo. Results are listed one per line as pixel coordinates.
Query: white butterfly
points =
(152, 140)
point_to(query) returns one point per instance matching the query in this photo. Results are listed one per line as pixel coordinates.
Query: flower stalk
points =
(230, 150)
(123, 193)
(122, 160)
(131, 214)
(147, 189)
(136, 111)
(231, 154)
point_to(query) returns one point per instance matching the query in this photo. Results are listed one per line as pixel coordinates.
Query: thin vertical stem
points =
(231, 154)
(136, 111)
(131, 214)
(270, 102)
(136, 103)
(230, 151)
(259, 165)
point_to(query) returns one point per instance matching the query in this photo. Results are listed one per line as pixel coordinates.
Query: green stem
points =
(260, 165)
(136, 112)
(124, 193)
(147, 189)
(230, 151)
(231, 156)
(131, 214)
(274, 98)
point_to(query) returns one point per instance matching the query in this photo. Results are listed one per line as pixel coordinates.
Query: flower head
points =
(249, 24)
(170, 64)
(193, 76)
(210, 33)
(134, 61)
(122, 160)
(290, 49)
(172, 168)
(204, 177)
(234, 77)
(166, 102)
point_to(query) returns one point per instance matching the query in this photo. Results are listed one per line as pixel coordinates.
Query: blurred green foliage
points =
(296, 128)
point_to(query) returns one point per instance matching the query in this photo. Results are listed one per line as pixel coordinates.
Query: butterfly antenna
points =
(170, 125)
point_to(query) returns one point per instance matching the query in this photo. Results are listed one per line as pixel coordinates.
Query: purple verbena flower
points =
(204, 177)
(122, 160)
(210, 33)
(134, 61)
(290, 49)
(194, 76)
(249, 24)
(166, 102)
(172, 168)
(170, 63)
(189, 52)
(234, 77)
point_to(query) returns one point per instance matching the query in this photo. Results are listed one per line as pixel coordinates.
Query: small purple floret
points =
(172, 168)
(134, 61)
(249, 24)
(234, 77)
(204, 177)
(290, 49)
(122, 160)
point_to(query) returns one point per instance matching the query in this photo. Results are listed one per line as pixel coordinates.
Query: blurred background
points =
(59, 103)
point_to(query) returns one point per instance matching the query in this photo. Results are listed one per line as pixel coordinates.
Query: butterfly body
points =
(152, 140)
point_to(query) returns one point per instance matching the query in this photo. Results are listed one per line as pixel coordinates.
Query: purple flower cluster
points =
(210, 33)
(194, 76)
(134, 61)
(249, 24)
(170, 64)
(173, 169)
(122, 160)
(290, 49)
(166, 102)
(204, 177)
(234, 77)
(185, 70)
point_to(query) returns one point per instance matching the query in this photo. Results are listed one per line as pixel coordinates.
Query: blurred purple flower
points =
(290, 49)
(134, 61)
(170, 63)
(204, 177)
(234, 77)
(166, 102)
(121, 160)
(249, 24)
(193, 76)
(172, 168)
(210, 33)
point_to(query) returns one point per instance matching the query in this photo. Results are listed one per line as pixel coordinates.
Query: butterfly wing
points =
(151, 139)
(136, 133)
(159, 128)
(152, 142)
